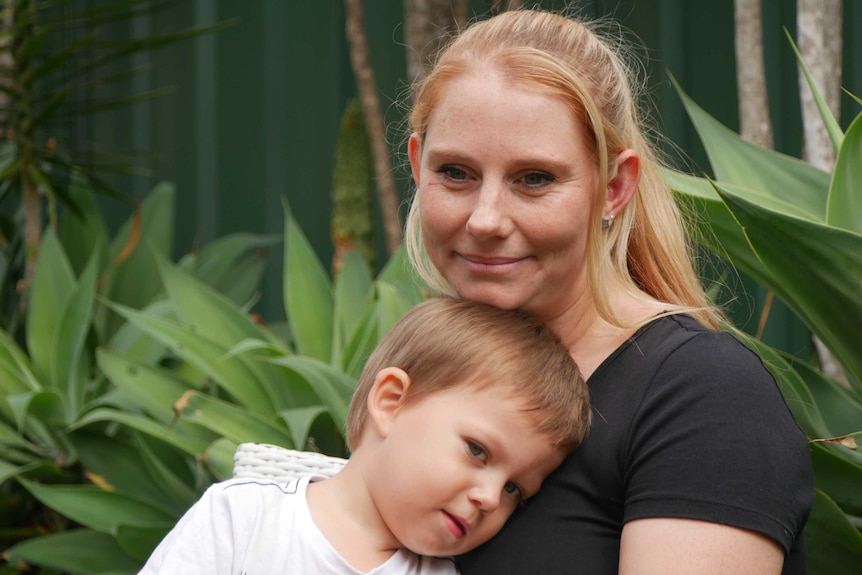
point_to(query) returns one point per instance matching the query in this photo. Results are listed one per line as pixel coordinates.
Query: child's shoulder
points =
(245, 490)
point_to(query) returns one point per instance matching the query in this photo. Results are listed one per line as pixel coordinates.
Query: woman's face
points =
(505, 189)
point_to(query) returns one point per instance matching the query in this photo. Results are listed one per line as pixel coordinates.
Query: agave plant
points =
(87, 485)
(798, 232)
(57, 62)
(192, 376)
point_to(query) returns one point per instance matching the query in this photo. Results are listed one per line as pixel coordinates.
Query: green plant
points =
(798, 232)
(59, 59)
(192, 375)
(51, 385)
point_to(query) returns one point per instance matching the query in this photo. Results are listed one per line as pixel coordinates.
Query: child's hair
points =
(446, 341)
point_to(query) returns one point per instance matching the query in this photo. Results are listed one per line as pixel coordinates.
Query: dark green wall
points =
(254, 109)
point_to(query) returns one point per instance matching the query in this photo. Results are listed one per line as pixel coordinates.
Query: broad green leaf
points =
(134, 282)
(10, 470)
(833, 545)
(308, 299)
(253, 345)
(353, 295)
(18, 376)
(231, 373)
(169, 474)
(243, 284)
(67, 353)
(711, 223)
(352, 288)
(47, 406)
(139, 541)
(399, 272)
(190, 445)
(83, 231)
(836, 401)
(218, 258)
(829, 121)
(790, 248)
(333, 387)
(219, 458)
(135, 344)
(361, 342)
(77, 550)
(153, 389)
(233, 265)
(205, 311)
(737, 161)
(844, 208)
(53, 284)
(120, 466)
(391, 306)
(299, 422)
(836, 475)
(11, 439)
(95, 508)
(231, 421)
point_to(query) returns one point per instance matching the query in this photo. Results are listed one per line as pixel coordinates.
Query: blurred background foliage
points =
(163, 323)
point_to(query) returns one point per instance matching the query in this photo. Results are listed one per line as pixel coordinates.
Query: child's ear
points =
(387, 395)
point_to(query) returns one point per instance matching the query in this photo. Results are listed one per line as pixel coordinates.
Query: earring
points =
(607, 222)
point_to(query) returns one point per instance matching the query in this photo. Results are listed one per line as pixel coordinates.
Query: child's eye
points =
(477, 450)
(513, 490)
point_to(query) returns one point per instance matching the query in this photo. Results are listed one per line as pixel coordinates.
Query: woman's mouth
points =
(490, 265)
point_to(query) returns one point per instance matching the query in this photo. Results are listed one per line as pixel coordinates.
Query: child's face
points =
(454, 465)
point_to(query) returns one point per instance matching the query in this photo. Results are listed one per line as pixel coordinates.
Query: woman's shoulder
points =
(676, 356)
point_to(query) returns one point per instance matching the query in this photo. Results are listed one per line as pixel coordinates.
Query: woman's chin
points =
(496, 296)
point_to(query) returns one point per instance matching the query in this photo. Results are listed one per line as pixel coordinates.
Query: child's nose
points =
(486, 495)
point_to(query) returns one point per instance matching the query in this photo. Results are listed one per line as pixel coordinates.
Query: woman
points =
(537, 190)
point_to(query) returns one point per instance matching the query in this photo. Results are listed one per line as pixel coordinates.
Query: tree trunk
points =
(385, 180)
(819, 24)
(17, 122)
(755, 124)
(426, 25)
(819, 40)
(417, 15)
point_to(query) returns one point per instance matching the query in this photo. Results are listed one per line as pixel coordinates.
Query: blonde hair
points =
(646, 249)
(444, 342)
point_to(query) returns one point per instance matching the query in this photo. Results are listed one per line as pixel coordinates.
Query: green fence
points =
(254, 108)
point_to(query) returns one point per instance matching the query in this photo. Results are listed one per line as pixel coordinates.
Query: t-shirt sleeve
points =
(712, 439)
(200, 543)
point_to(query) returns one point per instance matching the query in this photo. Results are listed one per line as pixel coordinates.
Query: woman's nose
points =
(490, 217)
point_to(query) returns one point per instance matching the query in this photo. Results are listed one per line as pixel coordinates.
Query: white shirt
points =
(257, 527)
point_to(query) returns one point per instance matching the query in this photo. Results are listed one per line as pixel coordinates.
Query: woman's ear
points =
(387, 396)
(621, 188)
(414, 152)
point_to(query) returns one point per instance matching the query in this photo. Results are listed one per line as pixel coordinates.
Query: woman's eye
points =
(452, 172)
(537, 178)
(476, 450)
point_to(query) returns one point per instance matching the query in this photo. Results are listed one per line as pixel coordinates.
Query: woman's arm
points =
(664, 546)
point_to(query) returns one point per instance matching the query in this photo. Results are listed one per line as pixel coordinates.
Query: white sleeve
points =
(201, 543)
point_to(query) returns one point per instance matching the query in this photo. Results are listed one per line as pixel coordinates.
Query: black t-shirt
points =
(687, 423)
